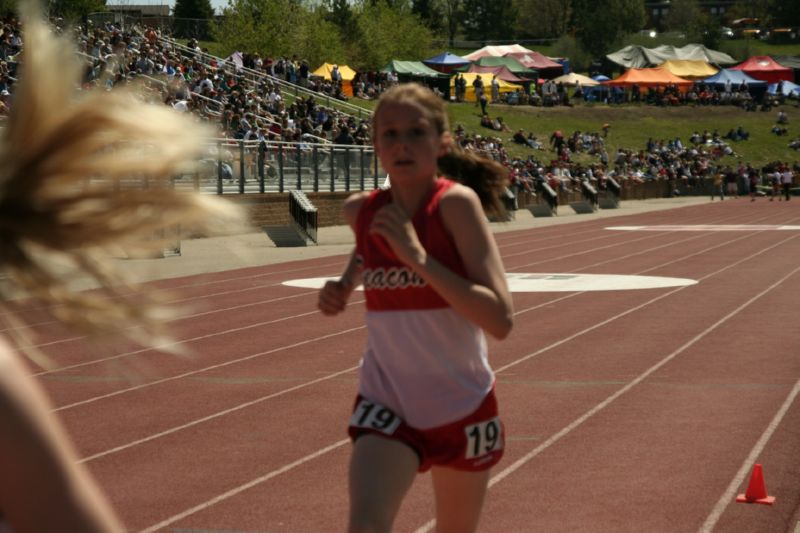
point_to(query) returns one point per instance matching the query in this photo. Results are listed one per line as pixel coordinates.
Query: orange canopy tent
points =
(649, 77)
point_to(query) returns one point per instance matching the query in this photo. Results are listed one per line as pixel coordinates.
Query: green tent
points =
(414, 69)
(510, 63)
(418, 71)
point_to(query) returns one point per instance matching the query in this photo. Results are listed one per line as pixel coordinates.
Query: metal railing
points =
(241, 167)
(287, 88)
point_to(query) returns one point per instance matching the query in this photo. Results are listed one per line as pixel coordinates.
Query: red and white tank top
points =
(423, 360)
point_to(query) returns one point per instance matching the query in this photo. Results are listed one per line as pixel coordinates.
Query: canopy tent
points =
(600, 77)
(689, 68)
(576, 79)
(648, 77)
(510, 63)
(469, 77)
(735, 77)
(546, 67)
(766, 69)
(787, 88)
(414, 69)
(497, 51)
(636, 56)
(324, 71)
(417, 71)
(446, 62)
(792, 62)
(501, 72)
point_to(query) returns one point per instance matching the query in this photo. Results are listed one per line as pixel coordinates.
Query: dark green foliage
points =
(486, 21)
(193, 18)
(599, 24)
(74, 9)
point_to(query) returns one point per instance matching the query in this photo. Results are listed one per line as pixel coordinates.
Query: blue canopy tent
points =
(788, 88)
(736, 77)
(597, 93)
(446, 62)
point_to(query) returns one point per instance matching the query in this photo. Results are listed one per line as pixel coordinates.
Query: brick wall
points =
(272, 209)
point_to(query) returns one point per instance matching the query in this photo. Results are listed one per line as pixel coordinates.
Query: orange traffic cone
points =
(756, 490)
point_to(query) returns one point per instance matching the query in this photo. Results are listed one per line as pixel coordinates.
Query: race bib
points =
(371, 415)
(484, 437)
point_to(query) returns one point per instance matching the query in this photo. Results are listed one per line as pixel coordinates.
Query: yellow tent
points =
(469, 96)
(688, 68)
(324, 71)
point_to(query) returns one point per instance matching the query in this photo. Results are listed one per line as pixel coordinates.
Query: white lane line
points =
(180, 342)
(519, 463)
(206, 369)
(241, 488)
(553, 439)
(178, 288)
(430, 525)
(178, 318)
(729, 494)
(218, 414)
(707, 227)
(524, 358)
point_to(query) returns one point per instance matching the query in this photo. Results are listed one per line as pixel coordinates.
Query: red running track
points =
(638, 410)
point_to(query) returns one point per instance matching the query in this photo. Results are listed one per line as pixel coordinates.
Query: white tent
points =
(497, 51)
(575, 79)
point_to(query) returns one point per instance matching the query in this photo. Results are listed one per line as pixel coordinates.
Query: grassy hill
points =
(632, 125)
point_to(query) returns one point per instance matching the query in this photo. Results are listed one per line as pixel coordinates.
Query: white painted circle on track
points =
(708, 227)
(524, 282)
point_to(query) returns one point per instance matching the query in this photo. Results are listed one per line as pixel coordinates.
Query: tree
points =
(758, 9)
(192, 18)
(387, 33)
(542, 18)
(686, 16)
(787, 12)
(319, 40)
(341, 15)
(261, 26)
(451, 12)
(74, 9)
(8, 7)
(428, 12)
(485, 21)
(599, 24)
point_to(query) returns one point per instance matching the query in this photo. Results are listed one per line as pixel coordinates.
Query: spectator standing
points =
(717, 186)
(495, 89)
(483, 100)
(477, 84)
(787, 179)
(342, 158)
(754, 179)
(775, 182)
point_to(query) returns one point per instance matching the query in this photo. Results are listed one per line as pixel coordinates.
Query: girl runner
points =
(434, 282)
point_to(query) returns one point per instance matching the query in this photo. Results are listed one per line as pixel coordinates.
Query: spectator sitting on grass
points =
(779, 130)
(499, 125)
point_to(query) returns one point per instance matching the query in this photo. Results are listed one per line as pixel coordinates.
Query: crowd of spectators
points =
(240, 106)
(252, 108)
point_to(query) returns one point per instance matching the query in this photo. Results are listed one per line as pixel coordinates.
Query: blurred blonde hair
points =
(80, 175)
